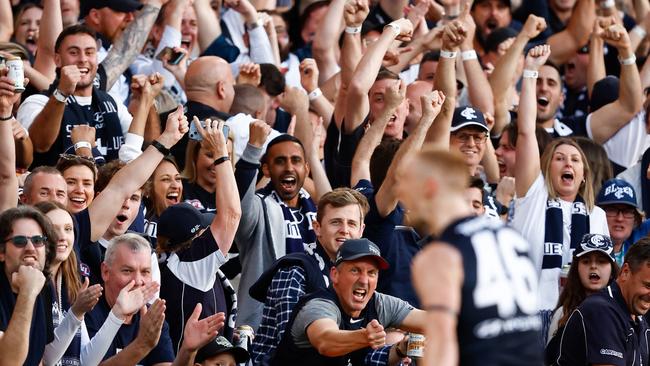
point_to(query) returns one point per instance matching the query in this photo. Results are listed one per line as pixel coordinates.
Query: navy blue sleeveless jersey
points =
(498, 322)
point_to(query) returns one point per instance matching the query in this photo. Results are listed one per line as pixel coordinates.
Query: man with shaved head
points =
(209, 86)
(414, 91)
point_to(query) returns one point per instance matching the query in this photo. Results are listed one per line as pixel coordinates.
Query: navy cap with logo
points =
(595, 243)
(219, 346)
(122, 6)
(181, 222)
(467, 116)
(359, 248)
(617, 191)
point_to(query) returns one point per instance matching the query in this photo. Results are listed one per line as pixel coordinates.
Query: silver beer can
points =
(415, 346)
(16, 73)
(246, 334)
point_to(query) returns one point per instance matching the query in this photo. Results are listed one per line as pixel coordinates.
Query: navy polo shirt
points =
(601, 331)
(163, 352)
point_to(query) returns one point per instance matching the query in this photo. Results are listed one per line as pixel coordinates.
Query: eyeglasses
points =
(612, 212)
(479, 138)
(20, 241)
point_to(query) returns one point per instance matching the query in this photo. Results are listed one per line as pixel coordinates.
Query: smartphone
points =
(196, 136)
(173, 57)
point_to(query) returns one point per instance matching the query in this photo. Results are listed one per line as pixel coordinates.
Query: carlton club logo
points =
(469, 113)
(619, 192)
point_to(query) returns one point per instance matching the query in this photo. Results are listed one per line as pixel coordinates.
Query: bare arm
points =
(394, 8)
(6, 21)
(325, 335)
(645, 74)
(24, 147)
(130, 178)
(366, 72)
(478, 87)
(208, 23)
(394, 96)
(527, 165)
(309, 73)
(596, 66)
(325, 45)
(444, 263)
(565, 43)
(8, 180)
(386, 197)
(49, 29)
(225, 223)
(14, 342)
(501, 79)
(610, 118)
(128, 46)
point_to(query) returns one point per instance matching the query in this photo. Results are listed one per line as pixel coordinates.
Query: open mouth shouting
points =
(288, 182)
(121, 219)
(594, 277)
(491, 24)
(567, 177)
(359, 294)
(186, 42)
(542, 101)
(78, 202)
(172, 198)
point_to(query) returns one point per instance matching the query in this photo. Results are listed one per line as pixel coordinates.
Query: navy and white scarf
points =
(297, 239)
(554, 245)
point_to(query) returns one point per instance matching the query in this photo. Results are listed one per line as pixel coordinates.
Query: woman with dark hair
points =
(163, 189)
(592, 269)
(80, 174)
(555, 207)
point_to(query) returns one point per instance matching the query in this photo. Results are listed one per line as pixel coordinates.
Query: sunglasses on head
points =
(20, 241)
(73, 157)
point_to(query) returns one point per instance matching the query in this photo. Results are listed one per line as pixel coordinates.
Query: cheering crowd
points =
(322, 182)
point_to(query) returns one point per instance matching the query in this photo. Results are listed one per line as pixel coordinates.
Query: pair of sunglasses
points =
(20, 241)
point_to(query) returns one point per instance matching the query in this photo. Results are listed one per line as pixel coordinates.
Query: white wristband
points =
(353, 30)
(627, 61)
(606, 4)
(532, 74)
(639, 31)
(469, 55)
(448, 54)
(396, 28)
(315, 94)
(82, 144)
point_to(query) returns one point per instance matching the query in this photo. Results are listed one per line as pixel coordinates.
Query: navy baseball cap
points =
(181, 222)
(359, 248)
(122, 6)
(595, 243)
(617, 191)
(467, 116)
(221, 345)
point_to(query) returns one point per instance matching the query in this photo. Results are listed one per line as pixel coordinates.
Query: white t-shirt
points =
(627, 146)
(529, 220)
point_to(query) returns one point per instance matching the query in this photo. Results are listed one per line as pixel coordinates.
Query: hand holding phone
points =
(173, 57)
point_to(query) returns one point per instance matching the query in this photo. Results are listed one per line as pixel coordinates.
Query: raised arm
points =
(610, 118)
(128, 46)
(8, 180)
(133, 176)
(225, 223)
(366, 72)
(386, 197)
(46, 126)
(478, 87)
(6, 21)
(394, 8)
(14, 341)
(393, 98)
(503, 75)
(445, 81)
(527, 166)
(50, 27)
(309, 80)
(208, 23)
(576, 34)
(596, 66)
(325, 45)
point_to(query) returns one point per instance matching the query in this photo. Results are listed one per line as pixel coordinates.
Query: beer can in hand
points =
(16, 73)
(245, 337)
(415, 347)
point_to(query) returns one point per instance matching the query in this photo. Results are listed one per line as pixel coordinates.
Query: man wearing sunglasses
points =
(24, 249)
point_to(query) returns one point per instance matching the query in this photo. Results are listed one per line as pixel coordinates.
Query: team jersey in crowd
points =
(498, 322)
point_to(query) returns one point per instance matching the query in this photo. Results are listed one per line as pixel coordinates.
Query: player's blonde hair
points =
(446, 167)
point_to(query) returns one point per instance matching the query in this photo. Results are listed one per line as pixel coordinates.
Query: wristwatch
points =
(59, 96)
